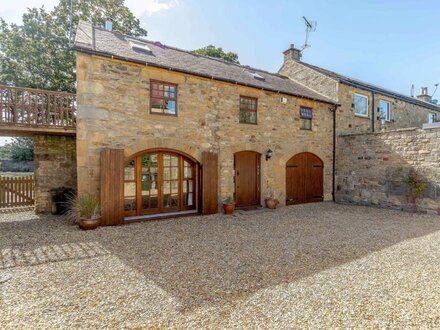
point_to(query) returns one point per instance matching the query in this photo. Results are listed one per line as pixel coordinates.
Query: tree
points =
(213, 51)
(38, 53)
(22, 149)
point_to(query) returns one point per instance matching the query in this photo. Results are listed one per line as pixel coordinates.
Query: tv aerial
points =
(310, 27)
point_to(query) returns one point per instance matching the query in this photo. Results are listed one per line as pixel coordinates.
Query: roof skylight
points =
(139, 46)
(256, 75)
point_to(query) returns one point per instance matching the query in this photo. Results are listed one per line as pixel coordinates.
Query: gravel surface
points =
(307, 266)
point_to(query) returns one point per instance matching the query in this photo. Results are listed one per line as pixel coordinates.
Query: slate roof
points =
(367, 86)
(94, 40)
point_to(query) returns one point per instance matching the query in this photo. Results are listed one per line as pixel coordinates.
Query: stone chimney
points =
(424, 95)
(292, 54)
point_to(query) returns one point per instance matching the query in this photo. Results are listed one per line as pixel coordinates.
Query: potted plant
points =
(85, 210)
(271, 203)
(229, 205)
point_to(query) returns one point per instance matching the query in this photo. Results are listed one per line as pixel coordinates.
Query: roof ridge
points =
(345, 78)
(248, 67)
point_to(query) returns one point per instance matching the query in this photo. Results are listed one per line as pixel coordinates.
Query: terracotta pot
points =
(229, 208)
(272, 203)
(88, 224)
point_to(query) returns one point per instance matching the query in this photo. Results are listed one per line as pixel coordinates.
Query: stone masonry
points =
(55, 166)
(114, 111)
(372, 167)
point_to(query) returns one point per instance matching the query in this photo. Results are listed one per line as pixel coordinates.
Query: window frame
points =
(248, 110)
(354, 106)
(432, 115)
(303, 117)
(165, 83)
(389, 109)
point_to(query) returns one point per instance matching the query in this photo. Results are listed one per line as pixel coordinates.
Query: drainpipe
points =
(372, 112)
(334, 152)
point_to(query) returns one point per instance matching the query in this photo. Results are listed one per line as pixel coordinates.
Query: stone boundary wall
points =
(371, 167)
(55, 166)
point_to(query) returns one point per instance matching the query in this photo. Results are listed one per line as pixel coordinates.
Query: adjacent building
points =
(363, 107)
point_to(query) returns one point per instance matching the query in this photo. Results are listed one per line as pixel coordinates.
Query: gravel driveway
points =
(308, 266)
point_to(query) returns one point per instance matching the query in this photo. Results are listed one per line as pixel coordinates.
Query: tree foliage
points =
(213, 51)
(38, 52)
(21, 149)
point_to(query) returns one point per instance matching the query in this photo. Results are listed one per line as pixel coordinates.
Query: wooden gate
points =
(16, 191)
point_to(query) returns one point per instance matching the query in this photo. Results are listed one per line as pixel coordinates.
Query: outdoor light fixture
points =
(269, 154)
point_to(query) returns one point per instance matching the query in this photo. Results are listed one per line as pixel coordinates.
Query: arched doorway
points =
(304, 179)
(247, 178)
(160, 181)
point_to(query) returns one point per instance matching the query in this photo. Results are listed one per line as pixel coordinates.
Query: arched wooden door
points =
(159, 182)
(304, 179)
(247, 178)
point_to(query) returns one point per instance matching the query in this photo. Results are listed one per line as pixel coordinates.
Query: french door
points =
(159, 182)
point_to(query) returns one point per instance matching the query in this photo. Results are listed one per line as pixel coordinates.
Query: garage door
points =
(304, 179)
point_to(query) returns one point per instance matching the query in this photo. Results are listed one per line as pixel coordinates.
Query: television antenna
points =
(310, 27)
(435, 90)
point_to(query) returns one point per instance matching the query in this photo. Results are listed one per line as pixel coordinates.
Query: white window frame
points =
(432, 115)
(389, 109)
(368, 106)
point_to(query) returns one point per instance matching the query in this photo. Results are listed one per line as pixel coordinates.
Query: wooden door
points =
(304, 179)
(247, 178)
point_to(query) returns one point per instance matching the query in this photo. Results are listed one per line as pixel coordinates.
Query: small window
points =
(248, 110)
(361, 105)
(432, 118)
(385, 110)
(306, 115)
(163, 98)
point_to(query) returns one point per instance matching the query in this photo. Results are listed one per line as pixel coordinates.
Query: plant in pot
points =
(85, 210)
(271, 202)
(229, 205)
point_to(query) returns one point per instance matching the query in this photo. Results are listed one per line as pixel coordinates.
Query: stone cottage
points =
(162, 131)
(363, 107)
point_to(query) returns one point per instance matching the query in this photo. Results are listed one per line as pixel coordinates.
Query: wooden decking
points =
(28, 111)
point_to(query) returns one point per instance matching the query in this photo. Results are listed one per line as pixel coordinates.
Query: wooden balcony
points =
(28, 111)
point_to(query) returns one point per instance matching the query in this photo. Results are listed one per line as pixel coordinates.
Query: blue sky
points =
(390, 43)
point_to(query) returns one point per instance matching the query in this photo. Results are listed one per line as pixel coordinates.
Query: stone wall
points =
(372, 167)
(114, 111)
(55, 166)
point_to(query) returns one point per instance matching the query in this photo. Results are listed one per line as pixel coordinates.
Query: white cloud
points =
(149, 7)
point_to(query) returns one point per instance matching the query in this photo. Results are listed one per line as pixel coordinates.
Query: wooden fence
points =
(16, 191)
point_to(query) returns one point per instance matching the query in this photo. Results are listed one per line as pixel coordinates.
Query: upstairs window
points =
(306, 116)
(385, 110)
(361, 105)
(163, 98)
(432, 118)
(248, 110)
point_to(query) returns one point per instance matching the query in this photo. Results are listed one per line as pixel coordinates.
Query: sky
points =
(391, 43)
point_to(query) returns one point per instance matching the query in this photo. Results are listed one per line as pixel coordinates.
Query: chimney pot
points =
(424, 96)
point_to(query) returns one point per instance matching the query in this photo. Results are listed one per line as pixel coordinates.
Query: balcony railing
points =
(37, 108)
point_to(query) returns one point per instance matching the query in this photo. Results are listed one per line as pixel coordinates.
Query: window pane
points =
(305, 123)
(157, 105)
(385, 109)
(129, 171)
(171, 107)
(306, 113)
(360, 105)
(248, 117)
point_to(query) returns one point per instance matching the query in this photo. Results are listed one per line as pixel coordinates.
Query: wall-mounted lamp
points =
(269, 153)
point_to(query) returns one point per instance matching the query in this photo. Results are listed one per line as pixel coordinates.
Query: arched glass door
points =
(159, 182)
